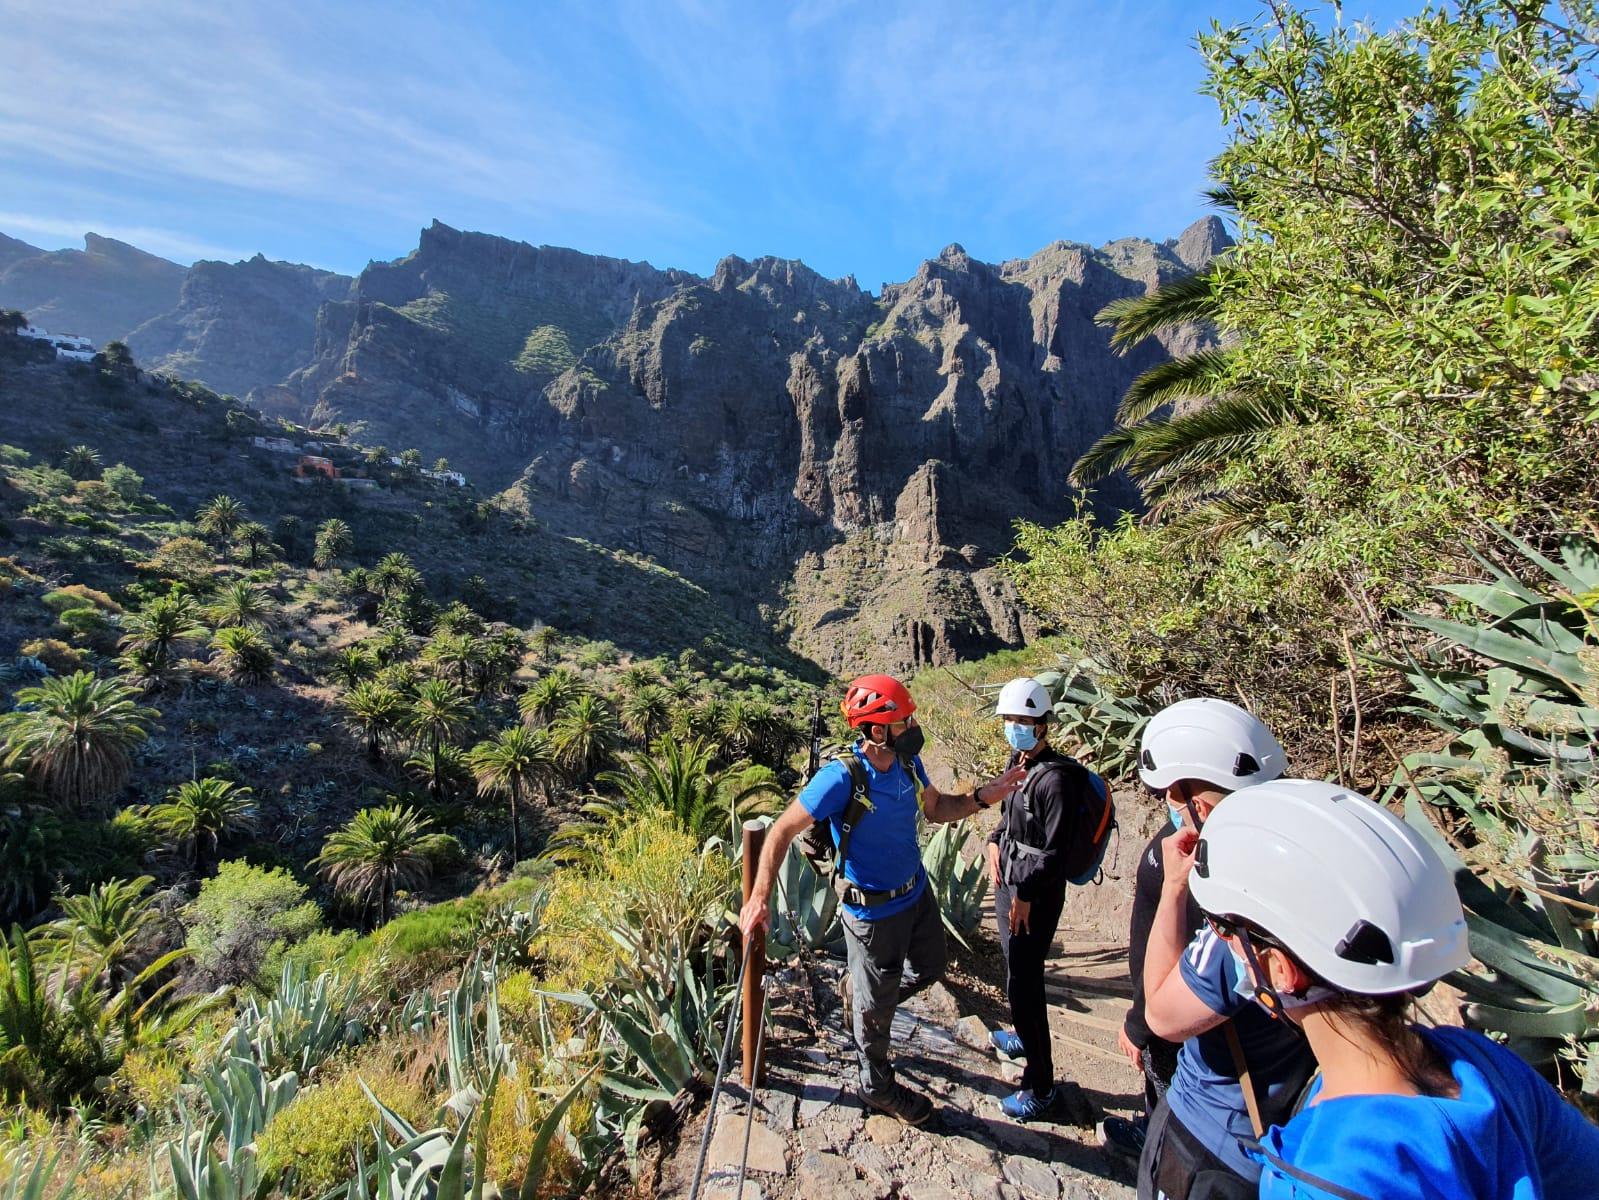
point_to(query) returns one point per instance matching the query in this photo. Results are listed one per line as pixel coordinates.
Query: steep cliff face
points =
(104, 291)
(239, 327)
(864, 461)
(449, 348)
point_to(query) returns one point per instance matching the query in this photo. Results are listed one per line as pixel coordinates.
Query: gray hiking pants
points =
(890, 960)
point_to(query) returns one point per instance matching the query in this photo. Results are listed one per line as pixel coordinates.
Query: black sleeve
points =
(1146, 898)
(1055, 808)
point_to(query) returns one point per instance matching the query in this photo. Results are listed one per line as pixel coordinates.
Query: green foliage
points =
(241, 603)
(220, 517)
(81, 462)
(243, 654)
(375, 712)
(155, 637)
(185, 560)
(304, 1022)
(311, 1144)
(509, 765)
(73, 738)
(334, 542)
(242, 914)
(199, 813)
(375, 855)
(584, 736)
(1516, 690)
(960, 882)
(547, 351)
(126, 483)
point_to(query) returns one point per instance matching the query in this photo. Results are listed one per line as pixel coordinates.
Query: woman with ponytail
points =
(1339, 915)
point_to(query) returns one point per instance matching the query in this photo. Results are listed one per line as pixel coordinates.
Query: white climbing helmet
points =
(1209, 739)
(1023, 698)
(1348, 888)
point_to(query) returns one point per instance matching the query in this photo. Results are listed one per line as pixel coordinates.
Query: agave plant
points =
(303, 1022)
(960, 883)
(1107, 728)
(804, 910)
(1517, 695)
(34, 1175)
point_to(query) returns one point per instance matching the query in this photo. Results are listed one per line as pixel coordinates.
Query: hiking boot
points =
(1027, 1105)
(1123, 1138)
(899, 1101)
(1008, 1044)
(846, 997)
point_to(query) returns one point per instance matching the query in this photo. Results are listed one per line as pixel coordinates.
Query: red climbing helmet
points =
(876, 700)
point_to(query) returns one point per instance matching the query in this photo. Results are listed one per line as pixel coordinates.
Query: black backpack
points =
(1095, 819)
(817, 843)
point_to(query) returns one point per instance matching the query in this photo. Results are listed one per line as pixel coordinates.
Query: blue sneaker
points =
(1008, 1044)
(1027, 1105)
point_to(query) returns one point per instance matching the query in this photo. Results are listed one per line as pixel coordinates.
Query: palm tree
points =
(334, 541)
(507, 765)
(351, 664)
(639, 675)
(542, 640)
(436, 715)
(199, 813)
(155, 636)
(495, 659)
(374, 711)
(72, 736)
(243, 654)
(375, 855)
(451, 655)
(549, 695)
(81, 462)
(105, 921)
(1178, 457)
(395, 575)
(220, 516)
(680, 779)
(256, 539)
(241, 603)
(646, 712)
(584, 735)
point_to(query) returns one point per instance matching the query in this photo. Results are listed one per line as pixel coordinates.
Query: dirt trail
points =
(810, 1139)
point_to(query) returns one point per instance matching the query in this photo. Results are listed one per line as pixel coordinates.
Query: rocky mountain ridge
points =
(842, 466)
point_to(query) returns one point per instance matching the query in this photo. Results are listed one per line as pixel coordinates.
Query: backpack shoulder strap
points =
(1255, 1146)
(1247, 1084)
(859, 801)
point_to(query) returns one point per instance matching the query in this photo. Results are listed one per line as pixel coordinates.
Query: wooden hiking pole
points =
(755, 968)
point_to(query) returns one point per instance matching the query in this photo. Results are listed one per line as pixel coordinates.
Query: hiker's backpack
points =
(817, 843)
(1095, 820)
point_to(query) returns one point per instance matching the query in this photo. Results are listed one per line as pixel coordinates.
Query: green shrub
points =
(125, 483)
(309, 1147)
(242, 915)
(77, 595)
(55, 654)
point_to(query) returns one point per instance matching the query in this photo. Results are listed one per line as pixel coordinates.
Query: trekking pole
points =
(716, 1087)
(755, 956)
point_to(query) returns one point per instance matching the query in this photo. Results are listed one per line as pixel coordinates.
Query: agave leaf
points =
(1513, 956)
(539, 1159)
(1506, 648)
(1495, 599)
(1572, 581)
(1557, 1021)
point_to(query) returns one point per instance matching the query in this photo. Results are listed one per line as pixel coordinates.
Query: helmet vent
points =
(1246, 764)
(1148, 760)
(1365, 943)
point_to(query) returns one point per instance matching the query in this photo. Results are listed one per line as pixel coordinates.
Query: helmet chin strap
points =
(1269, 998)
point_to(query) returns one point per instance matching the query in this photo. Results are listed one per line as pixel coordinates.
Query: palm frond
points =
(1191, 298)
(1202, 373)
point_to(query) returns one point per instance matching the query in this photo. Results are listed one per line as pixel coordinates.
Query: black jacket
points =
(1045, 820)
(1146, 899)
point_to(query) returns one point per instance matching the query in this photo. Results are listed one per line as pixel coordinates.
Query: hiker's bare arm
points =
(1173, 1012)
(940, 807)
(795, 820)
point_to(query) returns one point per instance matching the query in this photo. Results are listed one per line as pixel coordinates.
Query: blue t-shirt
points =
(1205, 1094)
(1507, 1136)
(883, 851)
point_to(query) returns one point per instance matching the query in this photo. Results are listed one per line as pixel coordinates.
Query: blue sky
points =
(860, 137)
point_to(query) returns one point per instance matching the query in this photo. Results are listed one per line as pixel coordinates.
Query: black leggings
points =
(1025, 954)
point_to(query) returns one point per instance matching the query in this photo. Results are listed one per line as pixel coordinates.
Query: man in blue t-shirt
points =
(893, 932)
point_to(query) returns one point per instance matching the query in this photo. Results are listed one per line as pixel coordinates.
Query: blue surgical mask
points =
(1245, 985)
(1176, 816)
(1020, 737)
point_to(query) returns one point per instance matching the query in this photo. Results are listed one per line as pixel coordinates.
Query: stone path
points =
(810, 1138)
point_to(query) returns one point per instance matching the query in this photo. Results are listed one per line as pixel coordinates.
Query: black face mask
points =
(908, 744)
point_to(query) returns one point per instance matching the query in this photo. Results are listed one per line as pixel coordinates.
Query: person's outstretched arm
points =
(795, 820)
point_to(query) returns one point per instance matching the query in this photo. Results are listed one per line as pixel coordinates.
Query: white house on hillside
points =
(67, 345)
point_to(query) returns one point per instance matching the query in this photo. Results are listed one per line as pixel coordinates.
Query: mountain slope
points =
(104, 291)
(239, 327)
(14, 250)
